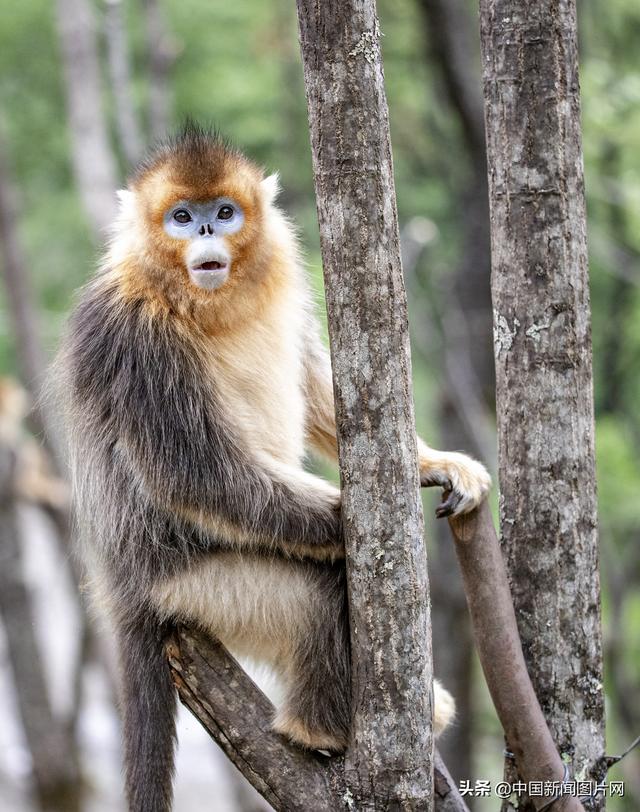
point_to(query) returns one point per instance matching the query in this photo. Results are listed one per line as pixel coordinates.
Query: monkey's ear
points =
(271, 188)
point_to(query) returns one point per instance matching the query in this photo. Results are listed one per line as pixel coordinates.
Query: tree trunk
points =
(389, 763)
(161, 56)
(93, 163)
(56, 779)
(543, 361)
(128, 130)
(468, 357)
(18, 290)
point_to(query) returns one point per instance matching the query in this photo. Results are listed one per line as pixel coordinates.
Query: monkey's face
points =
(203, 229)
(201, 233)
(204, 226)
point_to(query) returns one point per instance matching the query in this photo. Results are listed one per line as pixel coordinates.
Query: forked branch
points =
(237, 715)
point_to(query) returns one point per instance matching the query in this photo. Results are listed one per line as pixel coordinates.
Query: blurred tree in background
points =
(237, 66)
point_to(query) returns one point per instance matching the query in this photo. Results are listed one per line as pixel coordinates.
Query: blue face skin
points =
(205, 226)
(187, 220)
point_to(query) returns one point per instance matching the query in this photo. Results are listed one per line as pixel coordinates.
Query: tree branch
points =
(237, 715)
(498, 643)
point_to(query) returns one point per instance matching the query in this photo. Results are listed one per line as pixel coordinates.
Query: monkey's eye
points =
(182, 216)
(225, 212)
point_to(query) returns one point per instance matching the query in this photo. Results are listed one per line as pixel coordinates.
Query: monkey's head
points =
(195, 217)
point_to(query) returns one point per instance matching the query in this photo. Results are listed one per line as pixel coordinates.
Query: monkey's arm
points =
(465, 481)
(318, 389)
(147, 380)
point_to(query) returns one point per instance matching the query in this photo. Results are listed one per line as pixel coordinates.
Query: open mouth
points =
(209, 275)
(212, 265)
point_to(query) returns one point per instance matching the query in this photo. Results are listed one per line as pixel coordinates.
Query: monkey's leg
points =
(316, 710)
(291, 614)
(466, 482)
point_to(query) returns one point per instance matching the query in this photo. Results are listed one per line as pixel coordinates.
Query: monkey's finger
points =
(434, 479)
(450, 503)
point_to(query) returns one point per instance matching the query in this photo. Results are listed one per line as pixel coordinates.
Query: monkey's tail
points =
(149, 711)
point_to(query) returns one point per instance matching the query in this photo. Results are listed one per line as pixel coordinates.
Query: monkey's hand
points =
(318, 500)
(466, 482)
(331, 552)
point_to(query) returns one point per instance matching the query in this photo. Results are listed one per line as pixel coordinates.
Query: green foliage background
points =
(238, 67)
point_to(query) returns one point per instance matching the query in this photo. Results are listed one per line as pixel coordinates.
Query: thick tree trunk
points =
(543, 360)
(93, 162)
(389, 763)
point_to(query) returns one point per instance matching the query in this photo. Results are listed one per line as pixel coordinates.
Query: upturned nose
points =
(206, 229)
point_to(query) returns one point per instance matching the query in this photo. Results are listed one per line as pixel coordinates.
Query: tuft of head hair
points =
(194, 150)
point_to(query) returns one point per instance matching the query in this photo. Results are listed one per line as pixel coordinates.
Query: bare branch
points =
(498, 643)
(237, 715)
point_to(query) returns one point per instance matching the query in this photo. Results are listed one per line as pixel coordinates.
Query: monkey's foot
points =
(301, 734)
(444, 708)
(466, 482)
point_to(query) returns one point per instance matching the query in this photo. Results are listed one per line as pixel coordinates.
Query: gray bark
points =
(129, 133)
(93, 164)
(543, 360)
(389, 763)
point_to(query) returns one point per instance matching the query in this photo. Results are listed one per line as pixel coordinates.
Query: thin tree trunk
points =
(543, 361)
(161, 56)
(389, 763)
(129, 133)
(32, 365)
(18, 289)
(55, 773)
(468, 357)
(93, 163)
